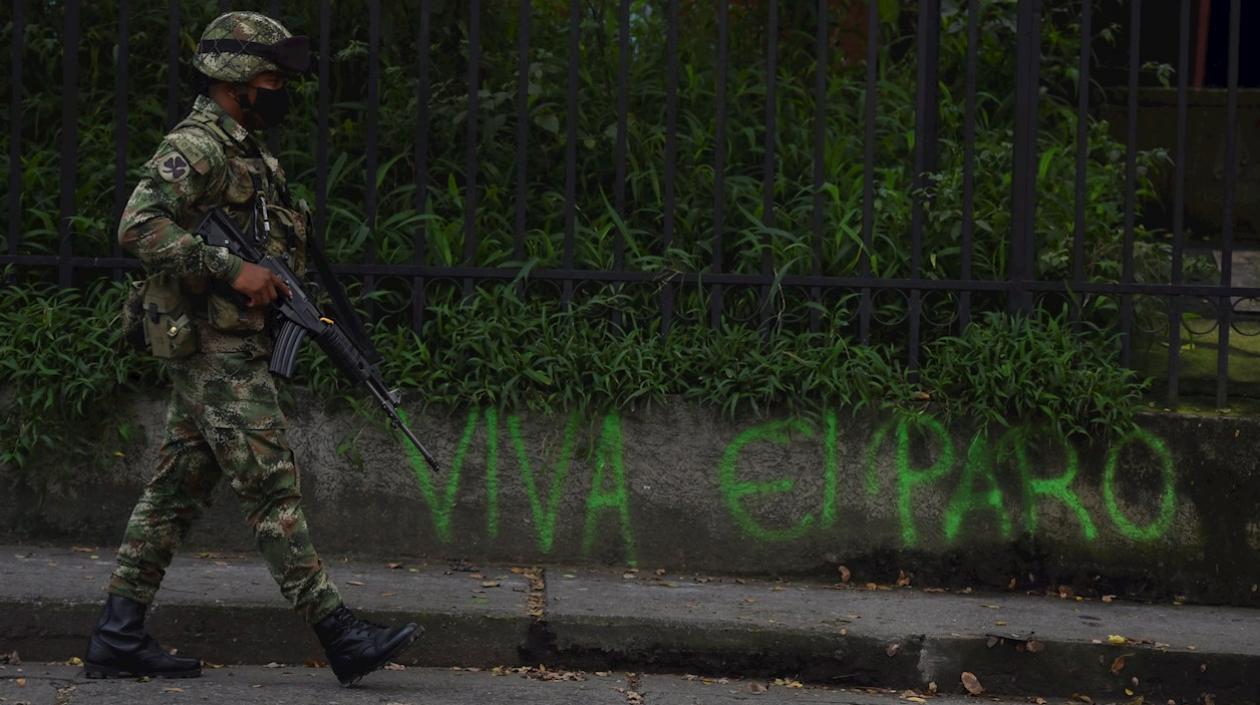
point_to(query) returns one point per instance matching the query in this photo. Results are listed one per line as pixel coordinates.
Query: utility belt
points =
(171, 317)
(162, 318)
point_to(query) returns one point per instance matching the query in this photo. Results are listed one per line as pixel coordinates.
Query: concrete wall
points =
(1205, 153)
(1170, 510)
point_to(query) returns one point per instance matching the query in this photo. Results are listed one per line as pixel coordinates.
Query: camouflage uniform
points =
(223, 418)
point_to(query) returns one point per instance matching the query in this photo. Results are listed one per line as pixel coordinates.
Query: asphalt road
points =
(39, 684)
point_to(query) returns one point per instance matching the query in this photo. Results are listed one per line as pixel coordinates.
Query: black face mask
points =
(271, 106)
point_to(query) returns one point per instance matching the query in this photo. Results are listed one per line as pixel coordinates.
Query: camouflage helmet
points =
(240, 45)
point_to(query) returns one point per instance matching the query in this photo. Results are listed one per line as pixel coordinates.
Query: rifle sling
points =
(344, 312)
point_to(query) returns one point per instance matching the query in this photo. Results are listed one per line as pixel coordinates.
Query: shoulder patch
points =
(173, 167)
(199, 150)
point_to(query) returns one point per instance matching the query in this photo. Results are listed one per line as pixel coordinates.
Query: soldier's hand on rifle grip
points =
(260, 285)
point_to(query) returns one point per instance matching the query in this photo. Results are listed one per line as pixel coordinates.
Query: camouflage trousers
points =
(224, 419)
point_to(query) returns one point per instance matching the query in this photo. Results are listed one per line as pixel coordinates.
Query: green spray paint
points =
(1168, 499)
(601, 498)
(829, 469)
(1015, 444)
(967, 498)
(734, 491)
(492, 472)
(440, 507)
(909, 477)
(544, 516)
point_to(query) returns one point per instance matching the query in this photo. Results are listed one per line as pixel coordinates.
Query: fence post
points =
(1024, 166)
(926, 110)
(69, 140)
(15, 128)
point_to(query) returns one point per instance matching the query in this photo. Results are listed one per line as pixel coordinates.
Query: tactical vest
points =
(247, 174)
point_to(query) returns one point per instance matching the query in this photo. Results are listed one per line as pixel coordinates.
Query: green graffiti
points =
(1015, 443)
(966, 499)
(978, 490)
(440, 507)
(492, 473)
(828, 515)
(734, 491)
(1168, 499)
(909, 477)
(609, 453)
(544, 516)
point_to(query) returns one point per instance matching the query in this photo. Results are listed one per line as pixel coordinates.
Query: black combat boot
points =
(355, 648)
(120, 648)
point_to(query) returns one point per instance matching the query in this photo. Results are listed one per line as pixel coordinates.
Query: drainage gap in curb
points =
(540, 642)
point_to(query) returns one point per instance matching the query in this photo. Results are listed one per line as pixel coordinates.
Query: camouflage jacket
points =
(209, 160)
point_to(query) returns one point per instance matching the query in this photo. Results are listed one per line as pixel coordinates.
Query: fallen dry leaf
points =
(660, 572)
(172, 690)
(490, 583)
(903, 580)
(971, 683)
(393, 566)
(82, 549)
(356, 583)
(845, 574)
(932, 689)
(1000, 623)
(391, 666)
(1117, 666)
(1108, 598)
(11, 659)
(21, 682)
(1083, 699)
(1034, 646)
(892, 649)
(757, 688)
(1116, 639)
(74, 661)
(315, 663)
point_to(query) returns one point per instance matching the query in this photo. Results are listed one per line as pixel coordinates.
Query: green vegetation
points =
(496, 348)
(64, 369)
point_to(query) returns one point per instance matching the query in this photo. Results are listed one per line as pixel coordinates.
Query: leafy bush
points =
(1003, 369)
(61, 365)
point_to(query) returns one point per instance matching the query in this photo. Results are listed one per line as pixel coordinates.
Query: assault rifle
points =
(299, 316)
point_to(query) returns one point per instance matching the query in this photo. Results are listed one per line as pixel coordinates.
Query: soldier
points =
(223, 417)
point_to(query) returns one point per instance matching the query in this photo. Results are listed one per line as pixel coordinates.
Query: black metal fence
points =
(1020, 287)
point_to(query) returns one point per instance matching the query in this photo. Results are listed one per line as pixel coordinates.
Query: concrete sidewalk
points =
(54, 684)
(228, 610)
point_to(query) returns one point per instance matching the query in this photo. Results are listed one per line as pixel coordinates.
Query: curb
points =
(901, 639)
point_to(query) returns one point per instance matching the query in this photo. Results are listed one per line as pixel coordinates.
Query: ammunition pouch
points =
(165, 322)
